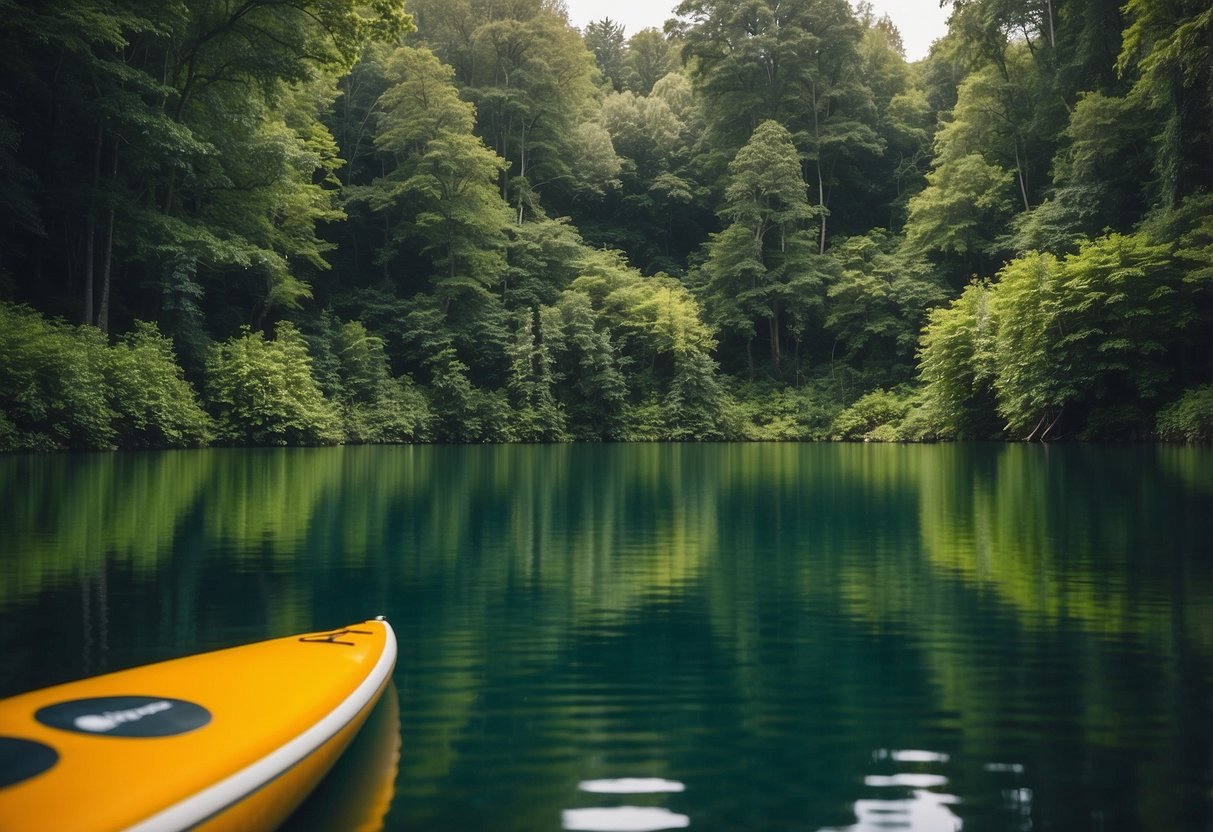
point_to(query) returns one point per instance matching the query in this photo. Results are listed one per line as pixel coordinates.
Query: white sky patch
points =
(919, 21)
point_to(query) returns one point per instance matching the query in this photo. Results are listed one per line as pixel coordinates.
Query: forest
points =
(267, 222)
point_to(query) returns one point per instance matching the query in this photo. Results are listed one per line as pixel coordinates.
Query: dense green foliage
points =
(1190, 419)
(474, 223)
(63, 386)
(263, 391)
(874, 416)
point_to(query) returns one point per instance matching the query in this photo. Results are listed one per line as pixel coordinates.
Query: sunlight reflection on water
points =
(910, 755)
(624, 819)
(922, 810)
(803, 636)
(631, 785)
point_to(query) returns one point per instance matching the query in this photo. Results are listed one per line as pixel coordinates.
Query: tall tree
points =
(460, 219)
(195, 127)
(961, 212)
(904, 123)
(954, 366)
(650, 142)
(605, 39)
(877, 304)
(444, 185)
(531, 78)
(649, 58)
(594, 389)
(980, 175)
(796, 63)
(531, 385)
(764, 264)
(1102, 176)
(1170, 45)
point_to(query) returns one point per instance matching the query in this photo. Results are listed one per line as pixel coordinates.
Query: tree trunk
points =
(1052, 424)
(821, 191)
(1023, 187)
(821, 203)
(103, 311)
(170, 192)
(775, 355)
(522, 168)
(387, 231)
(90, 230)
(1174, 139)
(503, 142)
(1039, 424)
(103, 315)
(797, 362)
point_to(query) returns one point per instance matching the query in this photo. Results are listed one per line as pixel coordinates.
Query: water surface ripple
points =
(715, 637)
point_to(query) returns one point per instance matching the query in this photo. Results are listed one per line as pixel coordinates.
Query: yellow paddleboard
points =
(229, 740)
(356, 796)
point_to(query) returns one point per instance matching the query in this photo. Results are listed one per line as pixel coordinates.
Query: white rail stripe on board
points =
(212, 800)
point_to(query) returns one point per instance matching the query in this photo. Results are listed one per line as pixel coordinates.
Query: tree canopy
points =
(321, 221)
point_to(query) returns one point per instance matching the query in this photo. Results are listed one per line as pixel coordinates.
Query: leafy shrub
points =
(1190, 419)
(398, 412)
(956, 368)
(146, 388)
(351, 366)
(592, 389)
(63, 387)
(536, 414)
(641, 422)
(692, 407)
(874, 416)
(919, 425)
(52, 386)
(263, 393)
(883, 433)
(784, 415)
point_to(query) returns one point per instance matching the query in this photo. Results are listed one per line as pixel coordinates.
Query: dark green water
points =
(789, 636)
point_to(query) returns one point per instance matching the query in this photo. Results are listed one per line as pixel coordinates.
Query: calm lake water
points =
(808, 637)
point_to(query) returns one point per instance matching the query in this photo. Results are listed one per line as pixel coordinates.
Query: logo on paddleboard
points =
(21, 759)
(125, 716)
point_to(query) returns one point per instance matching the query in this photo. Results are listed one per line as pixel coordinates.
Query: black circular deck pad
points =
(125, 716)
(22, 759)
